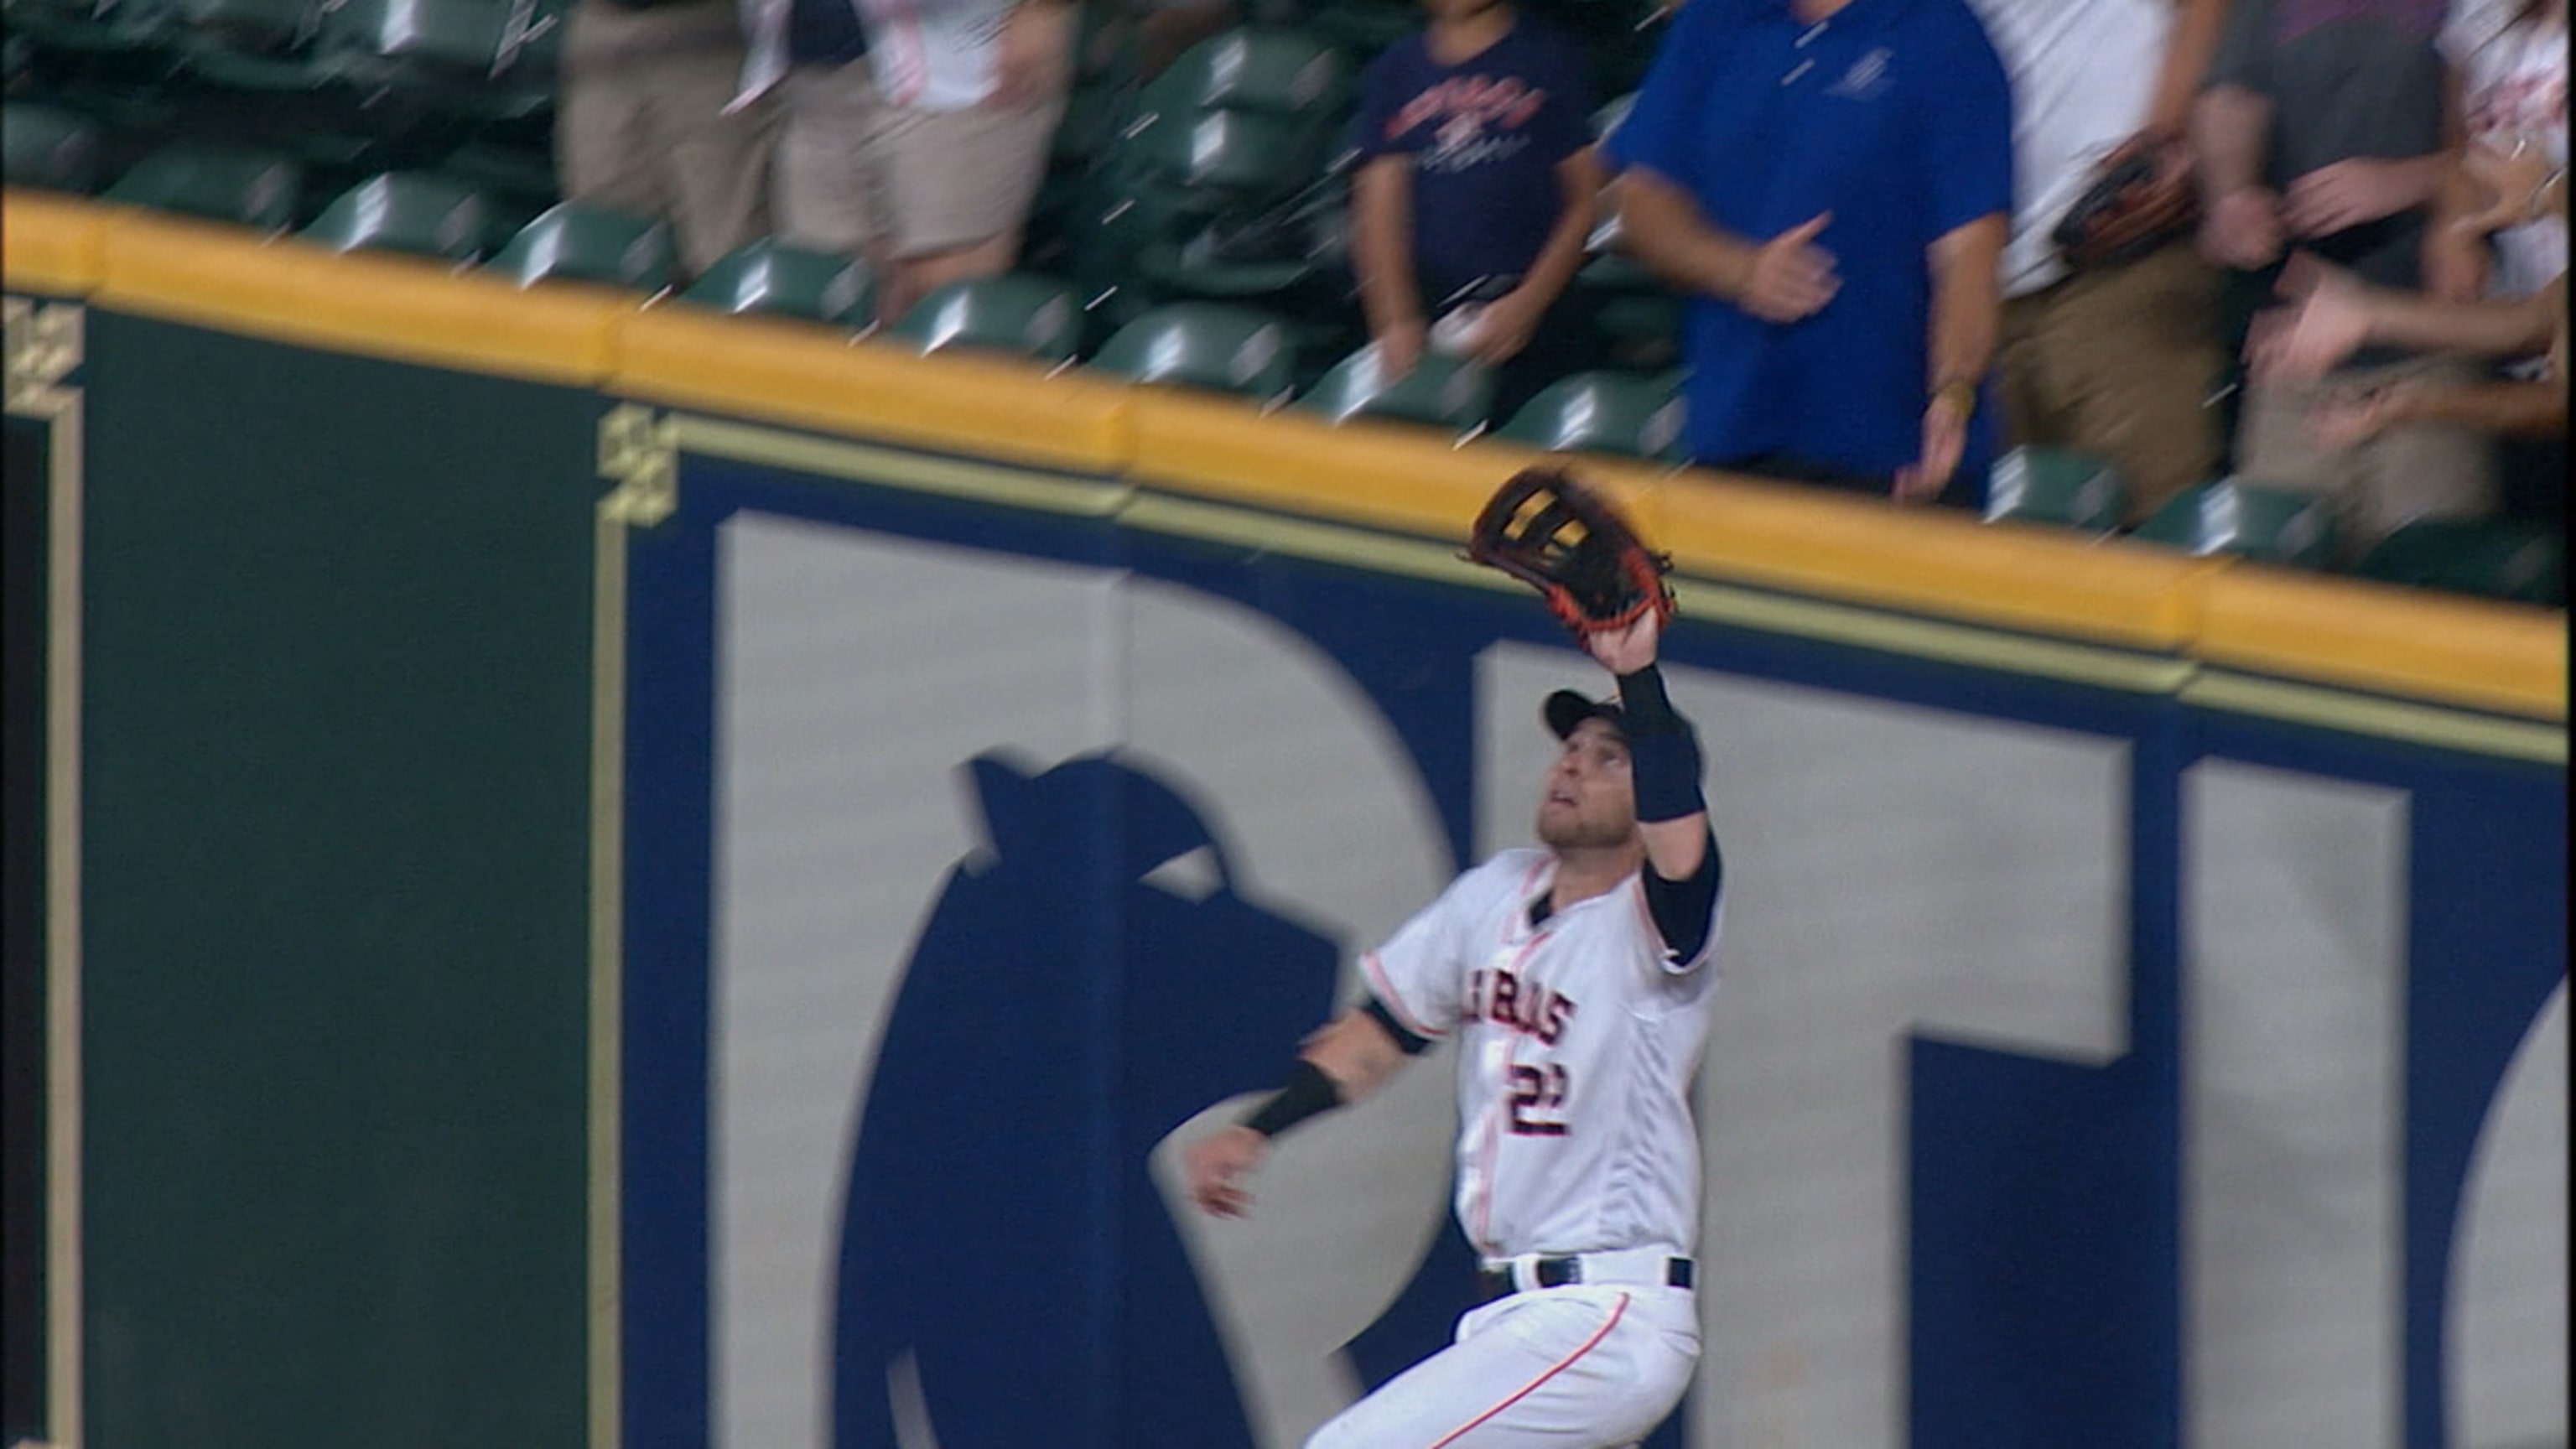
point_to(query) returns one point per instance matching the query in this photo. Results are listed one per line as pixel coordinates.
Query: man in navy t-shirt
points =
(1477, 184)
(1831, 183)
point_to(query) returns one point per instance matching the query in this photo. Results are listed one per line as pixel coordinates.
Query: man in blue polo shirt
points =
(1831, 182)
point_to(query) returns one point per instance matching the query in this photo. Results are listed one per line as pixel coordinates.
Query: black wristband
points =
(1306, 1093)
(1663, 754)
(1644, 707)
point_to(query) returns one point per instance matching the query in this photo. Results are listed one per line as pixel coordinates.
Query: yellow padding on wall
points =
(50, 244)
(2364, 636)
(811, 377)
(1933, 561)
(1378, 475)
(376, 303)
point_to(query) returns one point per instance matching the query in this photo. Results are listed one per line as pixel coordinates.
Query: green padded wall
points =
(336, 754)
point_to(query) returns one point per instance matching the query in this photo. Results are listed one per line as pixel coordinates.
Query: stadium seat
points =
(773, 279)
(592, 245)
(1017, 313)
(1254, 68)
(50, 148)
(1224, 157)
(1442, 390)
(1603, 412)
(1204, 345)
(427, 215)
(2493, 558)
(2248, 519)
(221, 183)
(2054, 485)
(486, 58)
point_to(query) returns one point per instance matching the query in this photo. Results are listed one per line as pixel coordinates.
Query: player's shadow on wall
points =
(1009, 1274)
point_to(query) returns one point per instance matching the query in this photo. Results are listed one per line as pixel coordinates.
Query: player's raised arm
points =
(1663, 754)
(1346, 1060)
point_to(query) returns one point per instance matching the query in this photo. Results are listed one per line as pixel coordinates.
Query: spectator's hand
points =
(2340, 421)
(2243, 229)
(2508, 169)
(1945, 437)
(1399, 346)
(1791, 277)
(1035, 63)
(1506, 327)
(2349, 192)
(2327, 322)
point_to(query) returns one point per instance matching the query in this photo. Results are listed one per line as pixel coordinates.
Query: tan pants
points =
(860, 175)
(2412, 471)
(640, 124)
(2121, 362)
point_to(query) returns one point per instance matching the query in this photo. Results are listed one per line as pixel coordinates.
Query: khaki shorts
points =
(2121, 362)
(2411, 471)
(859, 175)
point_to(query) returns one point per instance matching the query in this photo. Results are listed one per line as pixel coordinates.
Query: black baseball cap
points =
(1565, 710)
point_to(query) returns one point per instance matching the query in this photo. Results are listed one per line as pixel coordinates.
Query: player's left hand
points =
(1945, 437)
(1625, 651)
(1214, 1168)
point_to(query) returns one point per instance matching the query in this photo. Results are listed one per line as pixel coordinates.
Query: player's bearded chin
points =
(1572, 829)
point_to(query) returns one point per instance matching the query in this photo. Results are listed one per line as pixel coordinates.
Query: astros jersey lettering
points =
(1577, 1037)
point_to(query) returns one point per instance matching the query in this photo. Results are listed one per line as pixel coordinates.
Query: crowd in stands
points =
(1827, 233)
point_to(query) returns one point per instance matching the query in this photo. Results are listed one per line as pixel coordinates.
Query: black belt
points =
(1493, 1283)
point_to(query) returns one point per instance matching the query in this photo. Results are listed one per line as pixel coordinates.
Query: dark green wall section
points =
(23, 534)
(336, 758)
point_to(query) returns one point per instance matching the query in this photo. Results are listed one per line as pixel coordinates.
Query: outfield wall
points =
(621, 876)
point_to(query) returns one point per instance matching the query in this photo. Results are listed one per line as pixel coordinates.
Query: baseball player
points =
(1576, 980)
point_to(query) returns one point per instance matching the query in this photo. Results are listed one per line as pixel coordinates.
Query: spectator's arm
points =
(2230, 126)
(2514, 409)
(1382, 254)
(2188, 48)
(1512, 321)
(1967, 300)
(1661, 226)
(2454, 253)
(2489, 327)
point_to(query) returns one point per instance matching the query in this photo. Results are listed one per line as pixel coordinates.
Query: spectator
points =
(1829, 182)
(2336, 314)
(2331, 132)
(2513, 57)
(2118, 359)
(916, 131)
(2514, 103)
(1476, 187)
(642, 124)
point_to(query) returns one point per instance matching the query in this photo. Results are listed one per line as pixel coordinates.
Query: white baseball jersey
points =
(1577, 1039)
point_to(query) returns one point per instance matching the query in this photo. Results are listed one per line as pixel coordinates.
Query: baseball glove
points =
(1558, 536)
(2127, 212)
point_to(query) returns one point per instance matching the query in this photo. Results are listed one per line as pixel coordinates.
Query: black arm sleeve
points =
(1685, 909)
(1412, 1045)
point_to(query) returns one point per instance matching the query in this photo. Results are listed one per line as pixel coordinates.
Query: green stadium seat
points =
(221, 183)
(2506, 559)
(1208, 345)
(1018, 313)
(424, 214)
(1254, 68)
(589, 244)
(1603, 412)
(50, 148)
(769, 278)
(2055, 485)
(1220, 158)
(2248, 519)
(1441, 390)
